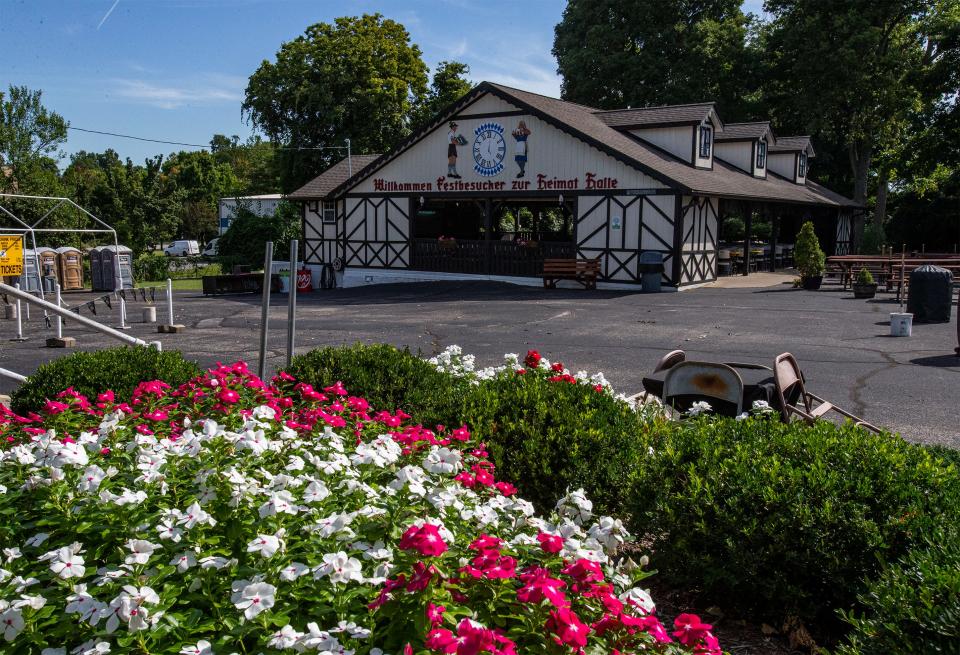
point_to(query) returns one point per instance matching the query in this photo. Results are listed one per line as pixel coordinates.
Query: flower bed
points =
(234, 516)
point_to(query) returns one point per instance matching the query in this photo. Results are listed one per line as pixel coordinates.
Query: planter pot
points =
(812, 283)
(864, 291)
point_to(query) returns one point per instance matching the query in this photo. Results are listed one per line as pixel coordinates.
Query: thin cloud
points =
(211, 89)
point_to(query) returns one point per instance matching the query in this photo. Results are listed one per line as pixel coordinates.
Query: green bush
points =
(389, 379)
(865, 276)
(779, 519)
(245, 240)
(807, 255)
(914, 605)
(547, 437)
(118, 369)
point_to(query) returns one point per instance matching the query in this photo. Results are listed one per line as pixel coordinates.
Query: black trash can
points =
(651, 270)
(931, 294)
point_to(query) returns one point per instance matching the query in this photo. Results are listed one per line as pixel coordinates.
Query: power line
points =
(193, 145)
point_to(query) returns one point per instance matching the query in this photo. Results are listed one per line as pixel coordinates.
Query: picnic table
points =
(885, 268)
(758, 384)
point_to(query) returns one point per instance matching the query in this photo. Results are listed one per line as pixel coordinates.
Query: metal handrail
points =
(13, 376)
(82, 320)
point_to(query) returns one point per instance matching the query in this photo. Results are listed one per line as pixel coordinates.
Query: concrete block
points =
(150, 314)
(10, 312)
(65, 342)
(171, 329)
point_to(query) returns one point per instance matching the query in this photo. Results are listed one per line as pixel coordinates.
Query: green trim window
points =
(761, 154)
(706, 141)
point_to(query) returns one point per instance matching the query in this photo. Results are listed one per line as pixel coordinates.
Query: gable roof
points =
(587, 124)
(692, 114)
(793, 144)
(330, 179)
(743, 131)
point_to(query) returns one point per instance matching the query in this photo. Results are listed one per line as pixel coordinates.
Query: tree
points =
(29, 134)
(856, 73)
(449, 84)
(200, 176)
(358, 79)
(245, 239)
(254, 163)
(620, 53)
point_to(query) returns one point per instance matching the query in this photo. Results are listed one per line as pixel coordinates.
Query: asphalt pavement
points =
(909, 385)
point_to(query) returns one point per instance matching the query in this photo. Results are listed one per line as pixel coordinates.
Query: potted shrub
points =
(809, 258)
(864, 286)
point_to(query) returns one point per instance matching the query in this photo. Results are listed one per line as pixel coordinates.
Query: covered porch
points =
(490, 236)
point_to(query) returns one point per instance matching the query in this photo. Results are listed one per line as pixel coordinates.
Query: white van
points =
(182, 249)
(211, 248)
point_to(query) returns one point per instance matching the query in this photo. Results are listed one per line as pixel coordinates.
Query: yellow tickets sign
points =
(11, 254)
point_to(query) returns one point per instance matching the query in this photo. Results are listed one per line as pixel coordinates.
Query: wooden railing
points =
(475, 256)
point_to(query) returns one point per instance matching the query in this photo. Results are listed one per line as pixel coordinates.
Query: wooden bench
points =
(902, 286)
(584, 271)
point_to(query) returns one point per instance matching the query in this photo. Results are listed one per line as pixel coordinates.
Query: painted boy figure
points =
(453, 140)
(520, 155)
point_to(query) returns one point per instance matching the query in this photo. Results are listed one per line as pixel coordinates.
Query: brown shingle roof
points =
(588, 125)
(691, 114)
(792, 144)
(330, 179)
(743, 131)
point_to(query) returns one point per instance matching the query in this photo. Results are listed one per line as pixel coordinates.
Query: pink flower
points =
(435, 614)
(55, 407)
(568, 628)
(441, 640)
(690, 629)
(539, 586)
(583, 570)
(106, 397)
(156, 415)
(358, 404)
(228, 396)
(550, 543)
(532, 360)
(421, 577)
(426, 540)
(461, 434)
(336, 389)
(505, 488)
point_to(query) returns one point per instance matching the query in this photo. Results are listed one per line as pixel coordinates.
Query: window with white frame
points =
(802, 165)
(329, 212)
(761, 154)
(706, 141)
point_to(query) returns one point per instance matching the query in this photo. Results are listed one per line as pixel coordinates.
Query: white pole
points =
(123, 314)
(265, 309)
(59, 319)
(170, 301)
(349, 160)
(292, 301)
(19, 317)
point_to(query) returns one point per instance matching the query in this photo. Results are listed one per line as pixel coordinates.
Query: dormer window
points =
(761, 154)
(706, 141)
(802, 165)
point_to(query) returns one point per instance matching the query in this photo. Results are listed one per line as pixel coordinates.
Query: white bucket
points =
(901, 325)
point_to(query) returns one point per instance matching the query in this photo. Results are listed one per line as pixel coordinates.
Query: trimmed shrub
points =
(914, 605)
(781, 519)
(549, 436)
(118, 369)
(388, 377)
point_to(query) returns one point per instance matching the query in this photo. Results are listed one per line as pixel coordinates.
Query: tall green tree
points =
(29, 134)
(449, 84)
(857, 74)
(357, 78)
(254, 162)
(619, 53)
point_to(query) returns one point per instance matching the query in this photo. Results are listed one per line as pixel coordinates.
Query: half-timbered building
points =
(505, 178)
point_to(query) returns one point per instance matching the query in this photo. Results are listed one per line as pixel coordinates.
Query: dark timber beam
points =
(748, 228)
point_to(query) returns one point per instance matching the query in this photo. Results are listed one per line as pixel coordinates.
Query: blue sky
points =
(176, 69)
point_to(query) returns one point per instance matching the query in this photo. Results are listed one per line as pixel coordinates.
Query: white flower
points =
(11, 621)
(640, 599)
(340, 568)
(286, 638)
(184, 561)
(315, 492)
(33, 602)
(168, 530)
(576, 506)
(37, 539)
(294, 570)
(216, 562)
(195, 515)
(12, 554)
(92, 647)
(699, 407)
(91, 478)
(140, 551)
(762, 407)
(67, 565)
(443, 460)
(281, 502)
(266, 544)
(202, 647)
(610, 533)
(255, 598)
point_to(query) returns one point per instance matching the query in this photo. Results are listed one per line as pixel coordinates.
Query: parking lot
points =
(909, 385)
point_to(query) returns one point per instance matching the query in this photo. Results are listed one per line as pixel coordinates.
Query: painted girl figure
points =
(520, 155)
(453, 140)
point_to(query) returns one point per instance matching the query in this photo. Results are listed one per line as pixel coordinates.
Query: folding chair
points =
(669, 360)
(795, 399)
(689, 382)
